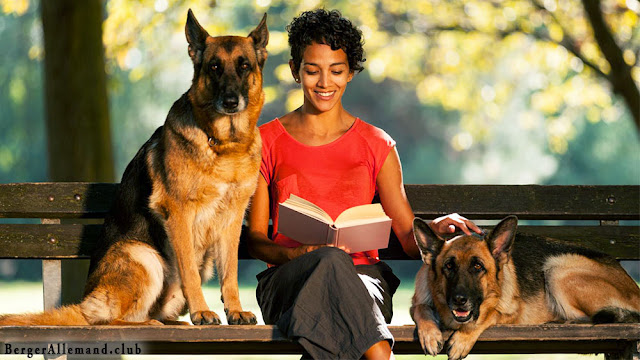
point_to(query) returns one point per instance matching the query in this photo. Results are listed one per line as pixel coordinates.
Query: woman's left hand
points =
(447, 225)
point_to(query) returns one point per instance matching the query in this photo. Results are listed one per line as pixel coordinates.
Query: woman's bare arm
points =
(258, 242)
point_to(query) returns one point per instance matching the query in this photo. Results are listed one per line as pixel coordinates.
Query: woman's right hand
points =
(447, 225)
(303, 249)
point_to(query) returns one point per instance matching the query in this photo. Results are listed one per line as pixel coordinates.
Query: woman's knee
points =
(332, 258)
(331, 255)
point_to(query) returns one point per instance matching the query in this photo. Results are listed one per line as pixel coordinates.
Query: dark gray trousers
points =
(334, 309)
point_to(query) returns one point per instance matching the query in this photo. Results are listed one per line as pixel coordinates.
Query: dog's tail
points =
(66, 315)
(611, 314)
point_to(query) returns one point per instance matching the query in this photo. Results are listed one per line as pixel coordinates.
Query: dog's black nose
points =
(230, 102)
(460, 299)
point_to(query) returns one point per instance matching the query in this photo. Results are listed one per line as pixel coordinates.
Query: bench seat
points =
(267, 339)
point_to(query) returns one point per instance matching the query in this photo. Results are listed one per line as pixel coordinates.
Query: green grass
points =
(27, 297)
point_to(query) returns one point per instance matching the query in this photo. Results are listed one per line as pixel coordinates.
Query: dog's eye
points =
(244, 66)
(448, 265)
(478, 267)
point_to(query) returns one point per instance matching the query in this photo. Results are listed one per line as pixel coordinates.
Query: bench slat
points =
(579, 202)
(267, 339)
(620, 242)
(56, 199)
(39, 241)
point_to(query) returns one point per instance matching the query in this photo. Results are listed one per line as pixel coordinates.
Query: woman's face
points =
(324, 74)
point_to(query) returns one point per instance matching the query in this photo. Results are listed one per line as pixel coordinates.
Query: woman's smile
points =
(325, 95)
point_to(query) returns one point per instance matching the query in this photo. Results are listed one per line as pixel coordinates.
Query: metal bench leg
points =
(52, 286)
(52, 291)
(52, 283)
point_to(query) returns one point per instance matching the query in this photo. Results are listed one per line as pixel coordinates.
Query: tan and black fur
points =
(469, 283)
(182, 199)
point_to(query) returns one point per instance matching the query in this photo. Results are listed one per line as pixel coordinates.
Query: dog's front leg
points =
(428, 329)
(180, 231)
(227, 266)
(462, 341)
(424, 315)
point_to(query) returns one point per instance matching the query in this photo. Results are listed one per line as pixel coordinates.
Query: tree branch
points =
(620, 75)
(568, 42)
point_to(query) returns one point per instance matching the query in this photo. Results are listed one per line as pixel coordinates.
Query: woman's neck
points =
(334, 120)
(317, 128)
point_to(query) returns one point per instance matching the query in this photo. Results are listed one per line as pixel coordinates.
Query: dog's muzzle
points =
(461, 309)
(230, 104)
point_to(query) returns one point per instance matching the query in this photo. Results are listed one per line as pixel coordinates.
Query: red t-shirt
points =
(335, 176)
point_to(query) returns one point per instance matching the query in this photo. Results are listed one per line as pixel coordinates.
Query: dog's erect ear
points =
(260, 37)
(500, 240)
(428, 242)
(196, 37)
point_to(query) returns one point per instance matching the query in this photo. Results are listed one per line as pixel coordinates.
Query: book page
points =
(361, 214)
(308, 208)
(358, 222)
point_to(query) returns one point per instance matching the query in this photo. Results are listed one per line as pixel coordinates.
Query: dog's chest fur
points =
(214, 183)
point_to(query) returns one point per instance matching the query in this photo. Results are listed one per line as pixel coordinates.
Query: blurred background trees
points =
(498, 91)
(528, 91)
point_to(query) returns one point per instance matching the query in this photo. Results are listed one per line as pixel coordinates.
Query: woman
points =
(335, 304)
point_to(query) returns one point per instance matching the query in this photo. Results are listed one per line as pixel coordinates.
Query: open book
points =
(360, 228)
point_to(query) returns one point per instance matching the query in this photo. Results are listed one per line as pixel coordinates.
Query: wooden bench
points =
(604, 218)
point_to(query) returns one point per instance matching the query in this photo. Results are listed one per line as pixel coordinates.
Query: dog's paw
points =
(241, 318)
(460, 345)
(430, 338)
(205, 318)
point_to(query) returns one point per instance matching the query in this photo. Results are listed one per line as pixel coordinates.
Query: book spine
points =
(332, 236)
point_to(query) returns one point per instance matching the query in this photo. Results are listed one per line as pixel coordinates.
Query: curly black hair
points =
(326, 27)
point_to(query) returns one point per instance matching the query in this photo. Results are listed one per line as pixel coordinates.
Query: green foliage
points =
(473, 92)
(22, 129)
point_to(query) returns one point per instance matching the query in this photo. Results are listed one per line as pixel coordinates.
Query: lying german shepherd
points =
(182, 199)
(469, 283)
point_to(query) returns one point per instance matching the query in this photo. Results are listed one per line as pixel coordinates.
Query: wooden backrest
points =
(587, 215)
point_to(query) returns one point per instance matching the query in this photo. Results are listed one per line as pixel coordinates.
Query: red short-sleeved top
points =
(334, 176)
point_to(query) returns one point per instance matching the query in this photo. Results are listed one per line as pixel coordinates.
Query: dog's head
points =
(463, 270)
(227, 69)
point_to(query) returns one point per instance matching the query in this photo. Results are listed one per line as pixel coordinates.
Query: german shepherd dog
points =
(469, 283)
(182, 199)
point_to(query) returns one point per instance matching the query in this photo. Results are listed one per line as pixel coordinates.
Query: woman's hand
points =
(303, 249)
(447, 225)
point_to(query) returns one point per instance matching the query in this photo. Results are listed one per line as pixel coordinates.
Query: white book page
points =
(308, 208)
(354, 222)
(361, 214)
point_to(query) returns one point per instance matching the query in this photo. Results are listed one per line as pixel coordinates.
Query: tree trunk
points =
(77, 108)
(620, 75)
(78, 129)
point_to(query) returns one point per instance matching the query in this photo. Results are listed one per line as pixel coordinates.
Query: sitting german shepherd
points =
(182, 199)
(469, 283)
